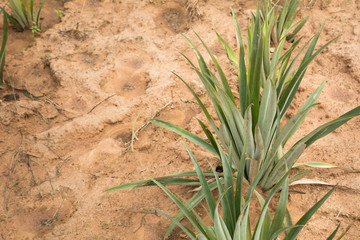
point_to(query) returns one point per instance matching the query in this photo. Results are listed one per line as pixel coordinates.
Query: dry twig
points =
(155, 115)
(52, 188)
(63, 160)
(11, 168)
(100, 103)
(192, 7)
(30, 168)
(54, 152)
(38, 112)
(58, 107)
(51, 220)
(143, 217)
(134, 137)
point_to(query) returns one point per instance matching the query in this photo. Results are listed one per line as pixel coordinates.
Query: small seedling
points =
(35, 30)
(60, 13)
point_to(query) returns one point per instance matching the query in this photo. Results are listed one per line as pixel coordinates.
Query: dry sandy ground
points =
(95, 71)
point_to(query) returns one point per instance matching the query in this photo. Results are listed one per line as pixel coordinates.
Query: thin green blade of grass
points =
(259, 153)
(300, 25)
(237, 232)
(239, 184)
(38, 14)
(315, 165)
(306, 217)
(221, 230)
(183, 208)
(264, 211)
(230, 53)
(298, 175)
(328, 127)
(206, 112)
(193, 202)
(31, 9)
(292, 88)
(289, 72)
(171, 179)
(209, 136)
(205, 70)
(229, 206)
(255, 67)
(280, 212)
(242, 75)
(343, 233)
(207, 229)
(148, 183)
(221, 73)
(188, 232)
(205, 187)
(3, 46)
(282, 230)
(265, 226)
(267, 112)
(333, 234)
(192, 137)
(306, 108)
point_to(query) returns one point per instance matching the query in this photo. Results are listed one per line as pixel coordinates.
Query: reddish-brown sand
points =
(99, 69)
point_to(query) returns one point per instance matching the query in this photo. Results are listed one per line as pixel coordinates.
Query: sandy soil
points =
(96, 71)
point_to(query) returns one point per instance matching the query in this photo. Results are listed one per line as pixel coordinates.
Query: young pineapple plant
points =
(24, 14)
(248, 132)
(267, 86)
